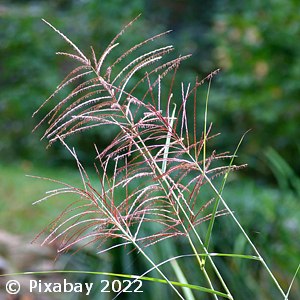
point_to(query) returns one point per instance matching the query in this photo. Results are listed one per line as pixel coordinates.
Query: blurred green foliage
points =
(30, 70)
(22, 78)
(257, 49)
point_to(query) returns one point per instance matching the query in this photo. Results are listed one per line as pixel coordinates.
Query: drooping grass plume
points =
(159, 158)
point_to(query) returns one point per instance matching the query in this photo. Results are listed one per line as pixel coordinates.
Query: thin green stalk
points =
(290, 287)
(215, 208)
(204, 143)
(130, 276)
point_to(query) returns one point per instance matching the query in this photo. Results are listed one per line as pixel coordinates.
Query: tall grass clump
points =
(156, 179)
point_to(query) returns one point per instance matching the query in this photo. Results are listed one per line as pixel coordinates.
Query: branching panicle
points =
(159, 169)
(147, 140)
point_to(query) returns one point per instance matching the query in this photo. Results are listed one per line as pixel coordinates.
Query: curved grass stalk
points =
(120, 275)
(215, 209)
(291, 284)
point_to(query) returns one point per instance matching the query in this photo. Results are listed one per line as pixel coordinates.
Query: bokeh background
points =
(256, 46)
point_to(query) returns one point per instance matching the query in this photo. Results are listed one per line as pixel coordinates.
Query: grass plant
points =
(157, 182)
